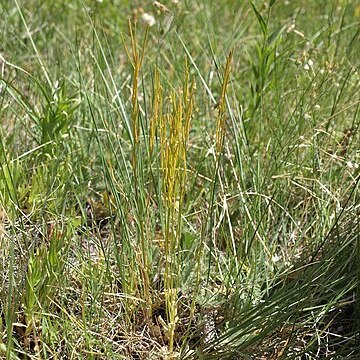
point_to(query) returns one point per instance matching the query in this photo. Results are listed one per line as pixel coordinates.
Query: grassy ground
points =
(182, 190)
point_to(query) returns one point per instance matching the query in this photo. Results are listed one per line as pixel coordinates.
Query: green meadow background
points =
(179, 179)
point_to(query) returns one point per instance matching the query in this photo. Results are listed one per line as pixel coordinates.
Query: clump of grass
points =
(140, 219)
(173, 129)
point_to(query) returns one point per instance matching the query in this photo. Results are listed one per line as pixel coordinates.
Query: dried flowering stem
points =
(173, 130)
(137, 65)
(221, 117)
(137, 62)
(157, 111)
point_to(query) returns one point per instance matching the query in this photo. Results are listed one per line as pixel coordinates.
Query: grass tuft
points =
(179, 180)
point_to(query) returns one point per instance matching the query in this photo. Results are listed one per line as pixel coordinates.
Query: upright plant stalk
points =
(174, 134)
(144, 270)
(219, 143)
(157, 111)
(221, 118)
(137, 65)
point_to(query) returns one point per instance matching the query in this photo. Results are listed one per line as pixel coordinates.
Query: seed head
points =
(148, 19)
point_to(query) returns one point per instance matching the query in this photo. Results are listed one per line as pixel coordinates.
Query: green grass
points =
(186, 190)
